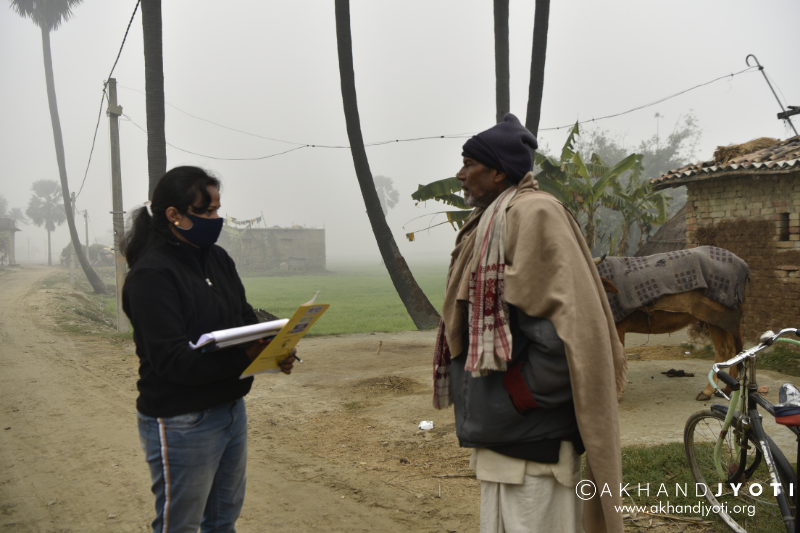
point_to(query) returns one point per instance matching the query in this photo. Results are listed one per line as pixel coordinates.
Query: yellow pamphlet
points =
(287, 338)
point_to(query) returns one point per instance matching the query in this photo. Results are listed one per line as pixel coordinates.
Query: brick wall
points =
(758, 220)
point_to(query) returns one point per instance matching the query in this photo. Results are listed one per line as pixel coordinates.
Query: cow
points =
(673, 312)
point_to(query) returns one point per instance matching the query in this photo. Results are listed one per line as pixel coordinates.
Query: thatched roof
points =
(669, 237)
(759, 156)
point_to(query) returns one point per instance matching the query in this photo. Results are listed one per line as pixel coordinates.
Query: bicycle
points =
(726, 448)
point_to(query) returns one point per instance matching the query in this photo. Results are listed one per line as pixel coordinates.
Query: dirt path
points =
(333, 447)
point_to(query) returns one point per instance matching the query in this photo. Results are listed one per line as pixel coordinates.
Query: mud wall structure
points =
(757, 217)
(295, 249)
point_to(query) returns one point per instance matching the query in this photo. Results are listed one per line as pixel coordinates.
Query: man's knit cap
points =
(505, 147)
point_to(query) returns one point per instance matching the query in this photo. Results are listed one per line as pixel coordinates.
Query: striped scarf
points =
(489, 334)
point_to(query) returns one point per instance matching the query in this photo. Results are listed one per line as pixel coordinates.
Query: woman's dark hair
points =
(181, 188)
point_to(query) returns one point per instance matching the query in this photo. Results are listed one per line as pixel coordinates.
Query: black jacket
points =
(172, 295)
(526, 411)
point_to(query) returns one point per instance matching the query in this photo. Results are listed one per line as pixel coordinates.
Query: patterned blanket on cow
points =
(642, 280)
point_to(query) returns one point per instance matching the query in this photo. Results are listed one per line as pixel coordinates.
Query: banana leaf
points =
(457, 217)
(436, 188)
(452, 199)
(569, 147)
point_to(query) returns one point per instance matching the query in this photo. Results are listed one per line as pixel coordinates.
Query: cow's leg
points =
(725, 346)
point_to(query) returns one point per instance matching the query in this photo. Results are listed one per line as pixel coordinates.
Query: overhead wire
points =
(412, 139)
(102, 96)
(654, 102)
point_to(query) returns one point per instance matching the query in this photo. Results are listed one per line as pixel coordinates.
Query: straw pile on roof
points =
(723, 154)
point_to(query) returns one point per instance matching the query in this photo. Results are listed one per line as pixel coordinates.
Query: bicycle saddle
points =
(787, 412)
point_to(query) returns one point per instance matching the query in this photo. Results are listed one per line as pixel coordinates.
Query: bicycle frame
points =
(749, 426)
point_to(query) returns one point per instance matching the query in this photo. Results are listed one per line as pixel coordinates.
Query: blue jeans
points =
(197, 464)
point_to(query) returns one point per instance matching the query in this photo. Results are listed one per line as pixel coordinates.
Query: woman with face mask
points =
(191, 412)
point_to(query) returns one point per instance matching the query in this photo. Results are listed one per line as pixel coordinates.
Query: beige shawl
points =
(550, 274)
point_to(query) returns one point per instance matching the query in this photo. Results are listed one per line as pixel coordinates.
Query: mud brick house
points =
(296, 248)
(747, 200)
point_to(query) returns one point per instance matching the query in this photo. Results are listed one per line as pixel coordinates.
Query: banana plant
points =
(445, 191)
(582, 187)
(639, 204)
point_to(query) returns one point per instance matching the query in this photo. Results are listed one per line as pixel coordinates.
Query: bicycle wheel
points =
(744, 512)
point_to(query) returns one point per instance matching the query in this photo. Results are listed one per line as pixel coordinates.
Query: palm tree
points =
(17, 215)
(44, 209)
(154, 92)
(501, 75)
(417, 304)
(3, 205)
(540, 23)
(48, 16)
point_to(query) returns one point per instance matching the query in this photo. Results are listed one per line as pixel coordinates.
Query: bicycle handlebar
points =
(730, 381)
(767, 340)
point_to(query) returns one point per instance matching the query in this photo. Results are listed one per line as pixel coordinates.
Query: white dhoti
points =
(519, 496)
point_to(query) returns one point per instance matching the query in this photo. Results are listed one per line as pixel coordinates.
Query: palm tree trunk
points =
(49, 254)
(154, 93)
(417, 304)
(97, 284)
(540, 22)
(501, 58)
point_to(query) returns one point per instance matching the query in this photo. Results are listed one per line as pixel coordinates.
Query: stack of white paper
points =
(242, 335)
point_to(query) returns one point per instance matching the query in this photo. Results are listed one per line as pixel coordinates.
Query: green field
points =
(362, 298)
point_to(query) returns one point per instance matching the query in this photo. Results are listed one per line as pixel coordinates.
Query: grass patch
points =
(362, 298)
(667, 464)
(353, 405)
(664, 463)
(780, 359)
(699, 352)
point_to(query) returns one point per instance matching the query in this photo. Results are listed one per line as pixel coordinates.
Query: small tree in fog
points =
(387, 194)
(45, 209)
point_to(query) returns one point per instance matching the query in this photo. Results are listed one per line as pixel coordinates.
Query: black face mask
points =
(204, 231)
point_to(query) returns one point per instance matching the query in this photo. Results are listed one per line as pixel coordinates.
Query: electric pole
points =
(72, 250)
(114, 111)
(784, 115)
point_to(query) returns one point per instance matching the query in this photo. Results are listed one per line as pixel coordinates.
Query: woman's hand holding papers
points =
(288, 363)
(256, 348)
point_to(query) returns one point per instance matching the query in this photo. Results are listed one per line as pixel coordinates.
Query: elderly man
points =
(527, 351)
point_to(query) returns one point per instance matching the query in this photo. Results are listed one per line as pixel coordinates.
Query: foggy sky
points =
(422, 68)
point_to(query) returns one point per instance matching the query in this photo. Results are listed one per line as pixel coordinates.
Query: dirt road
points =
(333, 447)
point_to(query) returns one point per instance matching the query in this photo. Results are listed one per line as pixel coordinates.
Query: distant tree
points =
(154, 92)
(417, 304)
(387, 194)
(3, 205)
(16, 214)
(45, 209)
(48, 16)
